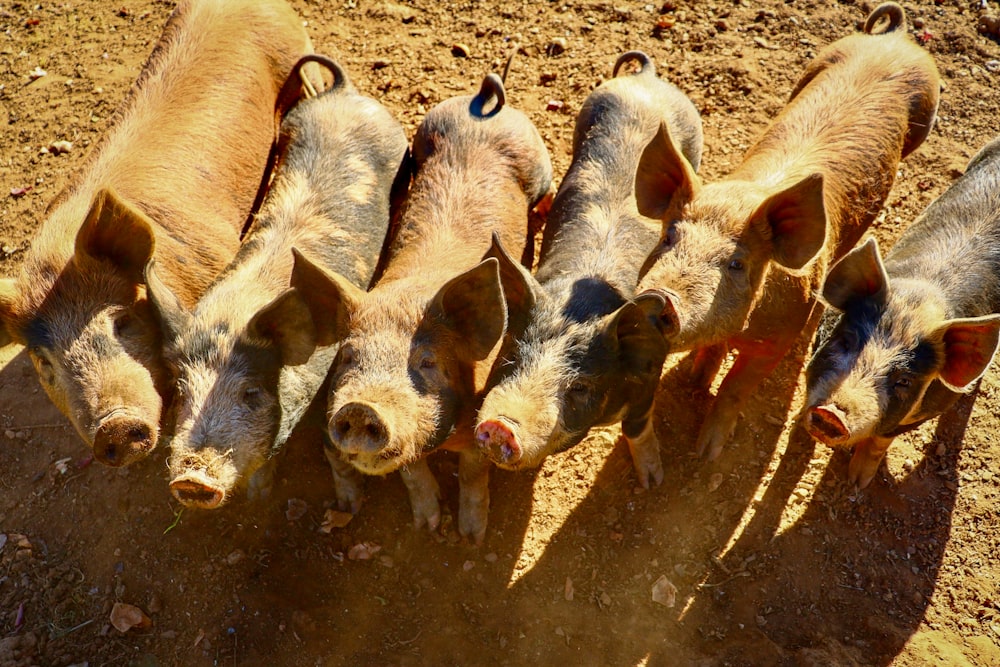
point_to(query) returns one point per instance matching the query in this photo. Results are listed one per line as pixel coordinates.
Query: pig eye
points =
(122, 323)
(578, 389)
(903, 383)
(347, 356)
(43, 363)
(670, 238)
(428, 363)
(251, 396)
(736, 265)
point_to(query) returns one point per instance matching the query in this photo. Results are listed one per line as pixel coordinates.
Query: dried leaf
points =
(125, 617)
(363, 551)
(333, 519)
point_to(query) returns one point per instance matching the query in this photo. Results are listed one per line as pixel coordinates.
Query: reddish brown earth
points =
(773, 558)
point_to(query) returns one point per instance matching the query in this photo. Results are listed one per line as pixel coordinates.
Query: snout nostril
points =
(373, 431)
(343, 427)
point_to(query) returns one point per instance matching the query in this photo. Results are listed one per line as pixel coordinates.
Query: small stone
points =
(235, 557)
(460, 50)
(490, 557)
(9, 434)
(992, 66)
(36, 73)
(296, 509)
(59, 147)
(664, 592)
(381, 64)
(556, 47)
(386, 561)
(547, 77)
(363, 551)
(553, 105)
(468, 565)
(715, 481)
(155, 604)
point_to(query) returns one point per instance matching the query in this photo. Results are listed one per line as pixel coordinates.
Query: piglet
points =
(916, 331)
(739, 260)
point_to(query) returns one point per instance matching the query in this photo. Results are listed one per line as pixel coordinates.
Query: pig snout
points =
(196, 490)
(121, 440)
(498, 442)
(670, 319)
(357, 428)
(826, 423)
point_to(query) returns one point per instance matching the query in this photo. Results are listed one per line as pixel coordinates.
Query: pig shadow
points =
(874, 553)
(623, 545)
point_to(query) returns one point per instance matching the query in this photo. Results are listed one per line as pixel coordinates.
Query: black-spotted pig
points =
(740, 260)
(246, 360)
(584, 352)
(915, 332)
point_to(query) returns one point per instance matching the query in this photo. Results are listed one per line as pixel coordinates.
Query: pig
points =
(740, 260)
(914, 332)
(416, 348)
(587, 352)
(173, 178)
(245, 358)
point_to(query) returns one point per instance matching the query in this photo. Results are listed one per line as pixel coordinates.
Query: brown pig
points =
(173, 178)
(589, 354)
(915, 332)
(245, 358)
(416, 348)
(739, 260)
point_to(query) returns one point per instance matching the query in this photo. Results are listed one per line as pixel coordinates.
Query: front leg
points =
(348, 483)
(868, 454)
(645, 448)
(749, 369)
(473, 494)
(706, 364)
(424, 494)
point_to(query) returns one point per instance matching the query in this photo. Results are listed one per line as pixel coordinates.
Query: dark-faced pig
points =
(915, 332)
(417, 347)
(739, 260)
(584, 352)
(173, 178)
(246, 360)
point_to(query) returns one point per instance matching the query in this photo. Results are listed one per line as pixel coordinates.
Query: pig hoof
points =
(427, 517)
(650, 473)
(472, 525)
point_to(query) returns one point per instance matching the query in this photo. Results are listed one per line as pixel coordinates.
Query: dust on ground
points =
(767, 556)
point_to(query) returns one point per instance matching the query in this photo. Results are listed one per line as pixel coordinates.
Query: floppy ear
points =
(520, 289)
(634, 330)
(664, 177)
(8, 296)
(969, 347)
(795, 222)
(860, 274)
(472, 305)
(329, 298)
(287, 323)
(118, 233)
(171, 313)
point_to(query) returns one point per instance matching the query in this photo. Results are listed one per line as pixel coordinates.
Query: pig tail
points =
(645, 63)
(890, 10)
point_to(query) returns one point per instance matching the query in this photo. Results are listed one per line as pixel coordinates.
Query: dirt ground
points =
(766, 557)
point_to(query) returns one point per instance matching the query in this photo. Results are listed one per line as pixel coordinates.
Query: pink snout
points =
(826, 424)
(120, 441)
(498, 442)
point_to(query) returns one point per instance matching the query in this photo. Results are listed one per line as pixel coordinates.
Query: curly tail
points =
(890, 10)
(645, 63)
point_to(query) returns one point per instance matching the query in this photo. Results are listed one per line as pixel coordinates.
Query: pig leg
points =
(348, 483)
(424, 494)
(707, 361)
(749, 369)
(645, 449)
(868, 454)
(473, 494)
(261, 482)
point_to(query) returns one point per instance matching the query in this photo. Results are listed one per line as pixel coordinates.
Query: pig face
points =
(92, 335)
(403, 377)
(872, 375)
(226, 410)
(719, 241)
(569, 370)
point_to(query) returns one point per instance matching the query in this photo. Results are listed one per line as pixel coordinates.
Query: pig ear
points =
(860, 274)
(287, 323)
(117, 232)
(664, 177)
(329, 297)
(171, 313)
(969, 347)
(795, 222)
(636, 331)
(473, 306)
(520, 289)
(8, 295)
